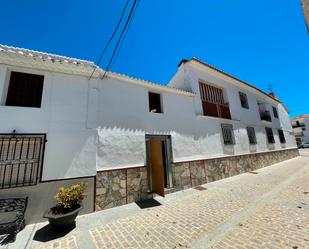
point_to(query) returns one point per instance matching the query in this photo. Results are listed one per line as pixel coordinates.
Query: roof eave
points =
(229, 75)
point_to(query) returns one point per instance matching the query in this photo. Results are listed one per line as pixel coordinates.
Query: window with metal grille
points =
(228, 134)
(213, 101)
(20, 159)
(270, 135)
(154, 102)
(25, 90)
(281, 136)
(275, 112)
(211, 94)
(251, 135)
(243, 100)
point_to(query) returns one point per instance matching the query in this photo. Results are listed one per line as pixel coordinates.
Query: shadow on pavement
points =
(48, 233)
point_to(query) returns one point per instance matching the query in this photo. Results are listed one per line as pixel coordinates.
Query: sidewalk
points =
(265, 209)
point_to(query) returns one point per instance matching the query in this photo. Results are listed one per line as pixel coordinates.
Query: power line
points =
(111, 38)
(129, 25)
(120, 38)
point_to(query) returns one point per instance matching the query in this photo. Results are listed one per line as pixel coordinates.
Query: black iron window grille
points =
(243, 100)
(251, 135)
(270, 135)
(281, 136)
(228, 134)
(20, 159)
(275, 111)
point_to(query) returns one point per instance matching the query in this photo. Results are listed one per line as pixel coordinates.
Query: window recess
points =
(243, 100)
(281, 136)
(213, 102)
(275, 112)
(251, 135)
(155, 102)
(264, 113)
(270, 135)
(228, 134)
(25, 90)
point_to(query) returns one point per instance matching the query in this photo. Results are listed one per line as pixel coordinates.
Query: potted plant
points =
(69, 203)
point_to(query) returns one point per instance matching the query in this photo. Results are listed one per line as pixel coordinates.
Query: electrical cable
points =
(120, 37)
(111, 38)
(129, 25)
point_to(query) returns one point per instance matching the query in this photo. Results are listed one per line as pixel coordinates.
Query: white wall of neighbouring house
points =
(71, 146)
(302, 130)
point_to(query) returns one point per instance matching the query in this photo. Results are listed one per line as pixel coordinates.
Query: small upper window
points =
(270, 135)
(25, 90)
(281, 136)
(228, 134)
(275, 112)
(243, 100)
(251, 135)
(154, 102)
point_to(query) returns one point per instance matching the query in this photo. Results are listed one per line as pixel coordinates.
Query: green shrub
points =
(69, 199)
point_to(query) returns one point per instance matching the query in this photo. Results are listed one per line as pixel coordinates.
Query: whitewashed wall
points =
(298, 130)
(125, 122)
(71, 147)
(102, 124)
(243, 117)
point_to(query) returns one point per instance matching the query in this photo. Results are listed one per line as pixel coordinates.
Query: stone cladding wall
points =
(119, 187)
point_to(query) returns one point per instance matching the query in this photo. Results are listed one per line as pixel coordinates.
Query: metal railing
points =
(20, 159)
(298, 125)
(216, 109)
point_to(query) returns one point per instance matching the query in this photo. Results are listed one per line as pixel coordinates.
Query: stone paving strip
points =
(179, 223)
(65, 243)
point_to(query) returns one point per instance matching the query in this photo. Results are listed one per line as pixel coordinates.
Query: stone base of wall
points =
(118, 187)
(191, 174)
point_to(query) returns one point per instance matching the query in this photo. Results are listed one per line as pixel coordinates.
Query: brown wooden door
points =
(156, 160)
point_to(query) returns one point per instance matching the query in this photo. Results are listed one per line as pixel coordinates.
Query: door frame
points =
(167, 160)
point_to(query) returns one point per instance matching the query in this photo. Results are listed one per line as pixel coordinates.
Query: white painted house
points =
(300, 126)
(128, 138)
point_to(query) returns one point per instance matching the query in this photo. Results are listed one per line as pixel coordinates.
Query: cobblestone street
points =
(264, 210)
(268, 208)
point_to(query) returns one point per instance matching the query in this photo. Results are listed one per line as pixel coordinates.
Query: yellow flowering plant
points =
(69, 199)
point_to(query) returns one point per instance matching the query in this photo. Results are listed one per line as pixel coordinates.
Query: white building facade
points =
(300, 126)
(128, 138)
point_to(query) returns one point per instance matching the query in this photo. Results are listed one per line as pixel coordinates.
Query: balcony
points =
(216, 110)
(265, 115)
(298, 125)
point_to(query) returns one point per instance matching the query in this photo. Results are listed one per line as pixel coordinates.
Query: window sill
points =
(156, 112)
(217, 118)
(20, 107)
(266, 121)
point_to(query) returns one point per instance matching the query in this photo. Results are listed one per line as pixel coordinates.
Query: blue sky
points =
(261, 42)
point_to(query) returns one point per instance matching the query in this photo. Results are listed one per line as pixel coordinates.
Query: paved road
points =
(265, 209)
